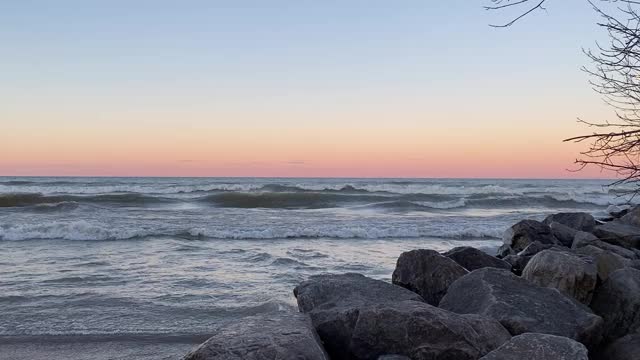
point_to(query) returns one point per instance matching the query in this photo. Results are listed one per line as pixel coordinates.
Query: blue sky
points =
(83, 67)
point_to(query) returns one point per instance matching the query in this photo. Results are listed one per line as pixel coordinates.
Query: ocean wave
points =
(285, 200)
(87, 231)
(37, 199)
(457, 188)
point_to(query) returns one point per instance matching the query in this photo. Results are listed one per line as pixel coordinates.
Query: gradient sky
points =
(292, 88)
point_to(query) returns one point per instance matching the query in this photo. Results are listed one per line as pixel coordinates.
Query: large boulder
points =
(277, 336)
(631, 217)
(517, 262)
(525, 232)
(534, 248)
(618, 233)
(583, 238)
(571, 274)
(563, 233)
(625, 348)
(521, 306)
(334, 303)
(471, 258)
(576, 220)
(606, 262)
(427, 273)
(536, 346)
(423, 332)
(617, 300)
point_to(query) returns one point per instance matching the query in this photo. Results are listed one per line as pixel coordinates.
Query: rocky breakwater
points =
(564, 288)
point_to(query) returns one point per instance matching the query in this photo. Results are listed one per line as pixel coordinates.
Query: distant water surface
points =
(159, 263)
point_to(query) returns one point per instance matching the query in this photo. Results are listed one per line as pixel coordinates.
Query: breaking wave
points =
(84, 230)
(36, 199)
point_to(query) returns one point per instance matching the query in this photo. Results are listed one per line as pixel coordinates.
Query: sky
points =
(293, 88)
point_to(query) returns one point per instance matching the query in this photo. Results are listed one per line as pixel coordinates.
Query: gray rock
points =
(539, 347)
(427, 273)
(393, 357)
(423, 332)
(625, 348)
(525, 232)
(583, 238)
(616, 212)
(631, 217)
(276, 336)
(537, 246)
(334, 303)
(578, 220)
(471, 258)
(617, 300)
(617, 233)
(563, 233)
(521, 306)
(571, 274)
(504, 250)
(606, 262)
(518, 263)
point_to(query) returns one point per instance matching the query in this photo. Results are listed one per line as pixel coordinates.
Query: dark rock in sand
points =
(617, 300)
(518, 263)
(570, 273)
(625, 348)
(578, 220)
(536, 346)
(525, 232)
(276, 336)
(334, 303)
(606, 262)
(521, 306)
(423, 332)
(617, 233)
(563, 233)
(471, 258)
(427, 273)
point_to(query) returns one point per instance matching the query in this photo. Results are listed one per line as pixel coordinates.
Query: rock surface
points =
(534, 248)
(525, 232)
(521, 306)
(563, 233)
(472, 258)
(618, 233)
(423, 332)
(625, 348)
(606, 262)
(617, 300)
(536, 346)
(517, 262)
(427, 273)
(281, 336)
(576, 220)
(583, 238)
(571, 274)
(631, 217)
(334, 303)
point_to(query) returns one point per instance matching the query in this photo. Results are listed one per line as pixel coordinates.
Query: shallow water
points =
(155, 265)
